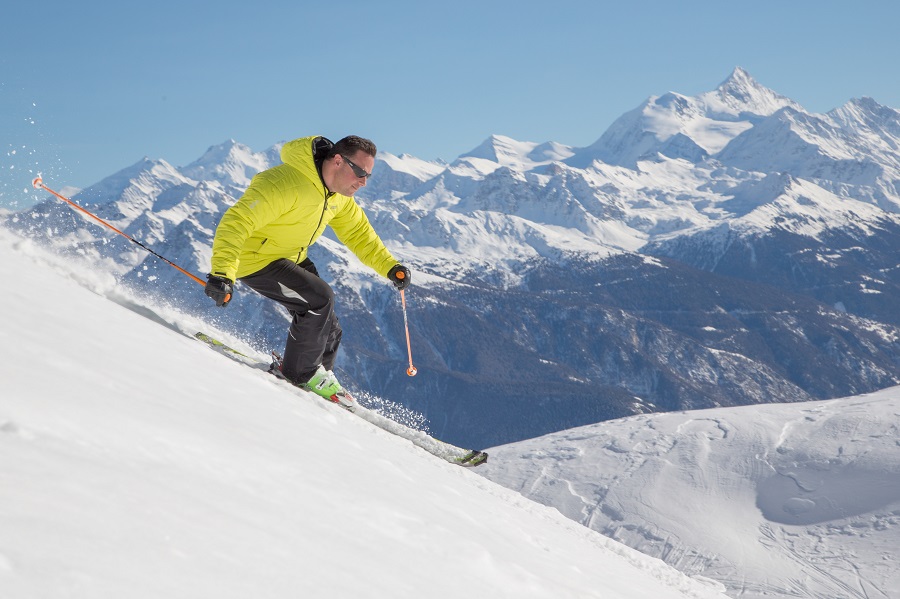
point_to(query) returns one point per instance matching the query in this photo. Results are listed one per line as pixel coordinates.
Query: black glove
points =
(220, 289)
(399, 276)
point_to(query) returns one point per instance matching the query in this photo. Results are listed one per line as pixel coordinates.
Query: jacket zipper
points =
(321, 218)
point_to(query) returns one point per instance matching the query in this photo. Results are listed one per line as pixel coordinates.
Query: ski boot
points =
(324, 384)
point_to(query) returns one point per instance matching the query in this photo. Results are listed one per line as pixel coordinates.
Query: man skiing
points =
(263, 239)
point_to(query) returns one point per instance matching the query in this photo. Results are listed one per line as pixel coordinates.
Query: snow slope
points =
(135, 462)
(786, 500)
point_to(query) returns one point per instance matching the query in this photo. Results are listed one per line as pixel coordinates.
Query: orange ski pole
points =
(411, 371)
(39, 184)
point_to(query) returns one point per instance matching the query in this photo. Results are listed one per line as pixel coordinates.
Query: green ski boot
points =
(324, 384)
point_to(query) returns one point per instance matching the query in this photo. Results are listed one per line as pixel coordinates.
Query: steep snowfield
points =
(135, 462)
(788, 500)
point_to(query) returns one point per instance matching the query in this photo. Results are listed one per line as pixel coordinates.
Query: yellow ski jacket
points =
(284, 211)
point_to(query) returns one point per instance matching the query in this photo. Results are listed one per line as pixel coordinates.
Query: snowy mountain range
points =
(725, 249)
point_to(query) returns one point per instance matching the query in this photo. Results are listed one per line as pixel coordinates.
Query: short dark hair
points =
(352, 144)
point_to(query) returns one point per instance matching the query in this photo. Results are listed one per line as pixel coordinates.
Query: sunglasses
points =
(358, 171)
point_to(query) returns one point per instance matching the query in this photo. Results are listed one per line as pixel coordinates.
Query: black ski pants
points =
(315, 333)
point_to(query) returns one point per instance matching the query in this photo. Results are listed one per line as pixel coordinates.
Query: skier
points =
(263, 239)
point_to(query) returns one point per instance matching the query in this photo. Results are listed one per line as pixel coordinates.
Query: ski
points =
(218, 345)
(447, 452)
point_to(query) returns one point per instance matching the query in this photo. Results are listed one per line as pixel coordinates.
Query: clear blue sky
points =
(88, 88)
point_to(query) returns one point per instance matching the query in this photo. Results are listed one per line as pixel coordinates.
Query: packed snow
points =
(136, 462)
(782, 500)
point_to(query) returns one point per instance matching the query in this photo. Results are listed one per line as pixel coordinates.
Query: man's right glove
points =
(399, 276)
(220, 289)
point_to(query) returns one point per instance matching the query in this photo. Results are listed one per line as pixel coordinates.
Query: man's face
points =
(351, 172)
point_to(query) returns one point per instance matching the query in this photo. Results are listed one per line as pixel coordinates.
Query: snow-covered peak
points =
(221, 153)
(407, 164)
(550, 151)
(517, 155)
(848, 147)
(804, 208)
(147, 176)
(231, 163)
(741, 96)
(689, 127)
(879, 125)
(394, 176)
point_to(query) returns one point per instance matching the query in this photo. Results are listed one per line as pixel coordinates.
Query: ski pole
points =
(39, 184)
(411, 371)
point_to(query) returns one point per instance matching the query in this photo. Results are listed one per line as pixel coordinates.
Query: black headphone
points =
(321, 149)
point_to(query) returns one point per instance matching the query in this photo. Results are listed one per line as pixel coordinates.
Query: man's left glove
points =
(220, 289)
(399, 276)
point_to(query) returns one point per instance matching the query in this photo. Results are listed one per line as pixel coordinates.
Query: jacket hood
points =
(305, 155)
